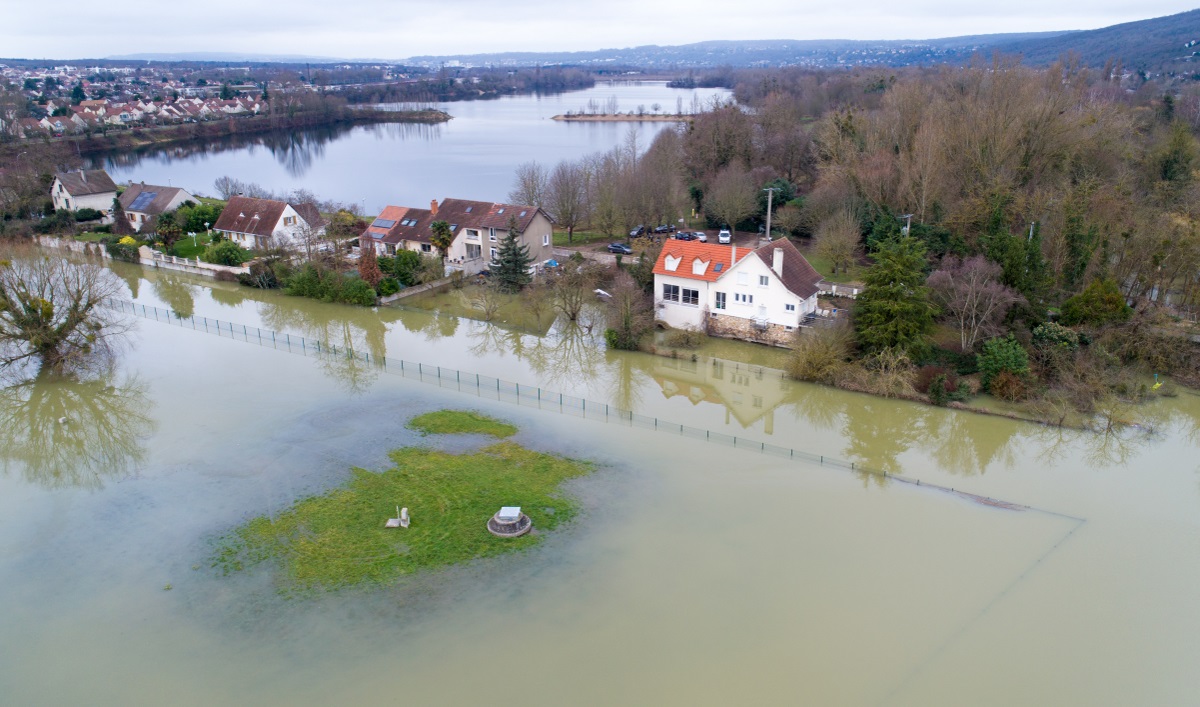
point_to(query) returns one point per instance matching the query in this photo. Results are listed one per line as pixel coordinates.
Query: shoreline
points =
(141, 137)
(618, 118)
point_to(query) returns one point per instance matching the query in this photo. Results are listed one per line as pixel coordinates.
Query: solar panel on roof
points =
(143, 201)
(383, 223)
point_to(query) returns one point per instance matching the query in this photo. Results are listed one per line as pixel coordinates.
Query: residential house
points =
(399, 228)
(263, 223)
(91, 189)
(757, 295)
(142, 202)
(478, 228)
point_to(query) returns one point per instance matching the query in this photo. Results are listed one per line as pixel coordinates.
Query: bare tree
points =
(488, 299)
(837, 239)
(51, 311)
(971, 294)
(572, 288)
(529, 185)
(731, 197)
(566, 196)
(630, 313)
(228, 187)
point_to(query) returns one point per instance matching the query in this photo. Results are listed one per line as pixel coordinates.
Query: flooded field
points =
(698, 573)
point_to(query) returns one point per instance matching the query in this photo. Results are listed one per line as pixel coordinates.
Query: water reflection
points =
(175, 292)
(354, 332)
(66, 432)
(748, 393)
(569, 352)
(295, 150)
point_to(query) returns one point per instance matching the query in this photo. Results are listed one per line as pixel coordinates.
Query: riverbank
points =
(138, 138)
(623, 118)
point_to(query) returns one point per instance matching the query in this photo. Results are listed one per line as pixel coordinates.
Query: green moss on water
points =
(456, 422)
(338, 539)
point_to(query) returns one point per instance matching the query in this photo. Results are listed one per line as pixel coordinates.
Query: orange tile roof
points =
(689, 251)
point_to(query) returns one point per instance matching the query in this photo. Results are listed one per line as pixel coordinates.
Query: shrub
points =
(1008, 386)
(926, 375)
(1052, 334)
(102, 228)
(1101, 302)
(388, 286)
(355, 290)
(224, 253)
(88, 215)
(820, 355)
(128, 240)
(1002, 355)
(684, 338)
(127, 252)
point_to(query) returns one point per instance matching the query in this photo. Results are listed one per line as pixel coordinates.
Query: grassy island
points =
(338, 539)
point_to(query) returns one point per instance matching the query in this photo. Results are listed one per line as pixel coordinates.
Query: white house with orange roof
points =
(757, 295)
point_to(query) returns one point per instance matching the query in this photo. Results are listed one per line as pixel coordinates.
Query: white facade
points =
(64, 200)
(285, 233)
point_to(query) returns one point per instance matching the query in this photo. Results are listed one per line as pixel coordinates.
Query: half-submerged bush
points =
(225, 253)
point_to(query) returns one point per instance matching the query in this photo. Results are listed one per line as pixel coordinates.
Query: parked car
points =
(685, 236)
(639, 231)
(668, 228)
(700, 236)
(620, 248)
(724, 237)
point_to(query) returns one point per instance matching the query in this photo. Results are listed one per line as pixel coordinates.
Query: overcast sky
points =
(404, 28)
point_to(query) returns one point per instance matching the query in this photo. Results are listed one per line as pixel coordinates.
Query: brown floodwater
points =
(698, 573)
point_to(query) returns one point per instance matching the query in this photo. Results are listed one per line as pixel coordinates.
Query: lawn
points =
(184, 248)
(448, 422)
(90, 237)
(338, 539)
(825, 267)
(584, 238)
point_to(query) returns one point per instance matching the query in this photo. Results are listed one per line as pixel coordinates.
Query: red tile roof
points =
(689, 251)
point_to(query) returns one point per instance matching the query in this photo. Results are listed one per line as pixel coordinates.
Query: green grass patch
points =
(825, 267)
(457, 422)
(90, 237)
(184, 248)
(585, 237)
(338, 539)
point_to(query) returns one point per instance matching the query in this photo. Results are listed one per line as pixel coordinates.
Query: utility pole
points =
(907, 225)
(770, 195)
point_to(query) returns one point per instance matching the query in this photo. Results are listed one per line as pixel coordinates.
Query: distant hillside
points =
(1161, 44)
(766, 52)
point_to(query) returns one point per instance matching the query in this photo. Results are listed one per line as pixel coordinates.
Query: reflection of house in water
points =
(748, 393)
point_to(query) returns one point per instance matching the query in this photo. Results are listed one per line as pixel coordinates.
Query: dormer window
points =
(671, 262)
(699, 266)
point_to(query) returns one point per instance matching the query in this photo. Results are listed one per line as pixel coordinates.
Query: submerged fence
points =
(506, 391)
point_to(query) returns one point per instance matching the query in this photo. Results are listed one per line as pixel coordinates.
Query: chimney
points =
(83, 176)
(777, 262)
(433, 206)
(733, 257)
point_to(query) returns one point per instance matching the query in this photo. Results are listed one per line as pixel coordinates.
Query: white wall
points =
(678, 314)
(769, 301)
(100, 202)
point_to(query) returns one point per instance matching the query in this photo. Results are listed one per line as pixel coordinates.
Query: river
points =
(473, 156)
(698, 572)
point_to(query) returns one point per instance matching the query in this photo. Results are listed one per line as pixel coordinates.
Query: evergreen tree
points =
(894, 310)
(77, 94)
(513, 260)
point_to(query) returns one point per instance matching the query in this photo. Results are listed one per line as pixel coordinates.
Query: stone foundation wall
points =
(729, 327)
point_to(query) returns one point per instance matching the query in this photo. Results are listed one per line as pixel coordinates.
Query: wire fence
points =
(528, 395)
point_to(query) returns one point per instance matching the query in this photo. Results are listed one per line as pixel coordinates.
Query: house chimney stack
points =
(777, 262)
(733, 257)
(83, 176)
(433, 206)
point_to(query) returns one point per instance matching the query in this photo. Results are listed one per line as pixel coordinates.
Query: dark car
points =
(620, 248)
(669, 228)
(639, 231)
(685, 236)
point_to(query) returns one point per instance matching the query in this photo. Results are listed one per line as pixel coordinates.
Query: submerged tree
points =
(51, 311)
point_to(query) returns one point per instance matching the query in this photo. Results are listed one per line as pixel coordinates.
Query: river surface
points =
(698, 573)
(473, 156)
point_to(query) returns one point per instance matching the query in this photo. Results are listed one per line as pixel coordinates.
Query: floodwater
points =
(473, 156)
(698, 573)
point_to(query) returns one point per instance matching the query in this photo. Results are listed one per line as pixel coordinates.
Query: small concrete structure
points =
(400, 521)
(509, 522)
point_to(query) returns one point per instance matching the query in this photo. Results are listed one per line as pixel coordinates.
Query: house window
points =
(425, 248)
(789, 307)
(289, 220)
(743, 298)
(720, 304)
(67, 203)
(546, 239)
(473, 234)
(495, 252)
(474, 250)
(763, 280)
(492, 235)
(691, 297)
(670, 293)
